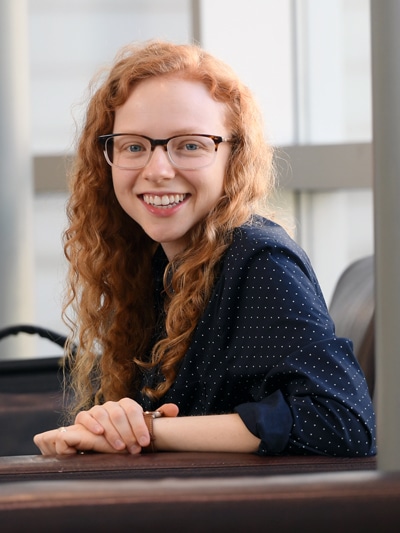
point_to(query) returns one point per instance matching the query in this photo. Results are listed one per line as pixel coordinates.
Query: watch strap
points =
(149, 417)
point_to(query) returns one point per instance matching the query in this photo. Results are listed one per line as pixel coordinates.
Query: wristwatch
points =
(149, 416)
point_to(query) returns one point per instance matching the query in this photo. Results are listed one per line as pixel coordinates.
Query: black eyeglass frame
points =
(160, 142)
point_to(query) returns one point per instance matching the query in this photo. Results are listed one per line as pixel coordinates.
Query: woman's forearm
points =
(211, 433)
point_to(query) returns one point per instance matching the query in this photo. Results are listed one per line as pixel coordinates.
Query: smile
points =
(166, 200)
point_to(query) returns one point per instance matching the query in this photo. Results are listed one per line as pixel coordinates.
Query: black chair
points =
(353, 308)
(31, 394)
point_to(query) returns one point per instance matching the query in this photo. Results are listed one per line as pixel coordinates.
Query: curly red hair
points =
(110, 288)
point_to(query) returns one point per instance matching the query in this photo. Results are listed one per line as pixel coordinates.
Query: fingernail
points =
(134, 449)
(119, 445)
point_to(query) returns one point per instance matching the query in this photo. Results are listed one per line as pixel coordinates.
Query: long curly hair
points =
(109, 300)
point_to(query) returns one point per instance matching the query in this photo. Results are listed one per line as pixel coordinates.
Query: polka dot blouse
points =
(266, 348)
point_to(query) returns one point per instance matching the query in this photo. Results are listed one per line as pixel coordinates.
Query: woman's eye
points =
(191, 147)
(134, 148)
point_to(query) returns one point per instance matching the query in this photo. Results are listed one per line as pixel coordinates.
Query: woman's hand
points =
(113, 427)
(70, 440)
(121, 424)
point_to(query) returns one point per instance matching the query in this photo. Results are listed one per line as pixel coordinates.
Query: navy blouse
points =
(266, 349)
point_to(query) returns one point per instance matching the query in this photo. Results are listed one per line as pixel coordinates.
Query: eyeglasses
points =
(188, 152)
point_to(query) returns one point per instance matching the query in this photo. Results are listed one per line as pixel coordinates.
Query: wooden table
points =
(177, 465)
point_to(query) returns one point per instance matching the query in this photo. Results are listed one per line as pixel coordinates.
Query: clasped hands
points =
(114, 427)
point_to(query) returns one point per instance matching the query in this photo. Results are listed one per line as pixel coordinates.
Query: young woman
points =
(187, 297)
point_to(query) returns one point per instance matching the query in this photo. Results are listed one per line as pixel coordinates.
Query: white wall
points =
(255, 38)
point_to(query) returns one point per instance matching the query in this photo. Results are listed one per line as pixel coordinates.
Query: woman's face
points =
(164, 200)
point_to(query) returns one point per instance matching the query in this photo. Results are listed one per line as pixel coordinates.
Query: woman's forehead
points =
(171, 102)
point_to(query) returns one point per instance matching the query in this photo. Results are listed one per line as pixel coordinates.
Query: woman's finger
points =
(105, 420)
(139, 436)
(169, 409)
(118, 421)
(53, 443)
(86, 419)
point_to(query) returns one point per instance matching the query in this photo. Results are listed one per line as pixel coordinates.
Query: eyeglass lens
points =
(186, 151)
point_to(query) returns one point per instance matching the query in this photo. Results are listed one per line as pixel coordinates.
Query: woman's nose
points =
(159, 165)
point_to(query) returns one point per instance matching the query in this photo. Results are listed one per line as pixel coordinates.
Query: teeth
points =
(167, 200)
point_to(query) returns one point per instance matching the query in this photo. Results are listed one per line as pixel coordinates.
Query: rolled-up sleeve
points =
(271, 420)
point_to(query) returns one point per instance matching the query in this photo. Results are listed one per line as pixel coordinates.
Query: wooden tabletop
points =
(161, 465)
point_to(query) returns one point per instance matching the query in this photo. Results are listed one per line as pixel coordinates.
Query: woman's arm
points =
(117, 427)
(211, 433)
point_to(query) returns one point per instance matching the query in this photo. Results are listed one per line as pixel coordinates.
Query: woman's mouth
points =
(166, 200)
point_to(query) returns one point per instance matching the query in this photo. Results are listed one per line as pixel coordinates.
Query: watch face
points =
(153, 414)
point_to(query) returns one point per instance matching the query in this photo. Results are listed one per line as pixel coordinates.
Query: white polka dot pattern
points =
(266, 347)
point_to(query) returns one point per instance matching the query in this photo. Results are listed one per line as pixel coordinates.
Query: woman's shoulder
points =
(261, 233)
(263, 240)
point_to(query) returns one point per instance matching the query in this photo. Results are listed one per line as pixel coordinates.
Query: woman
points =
(187, 296)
